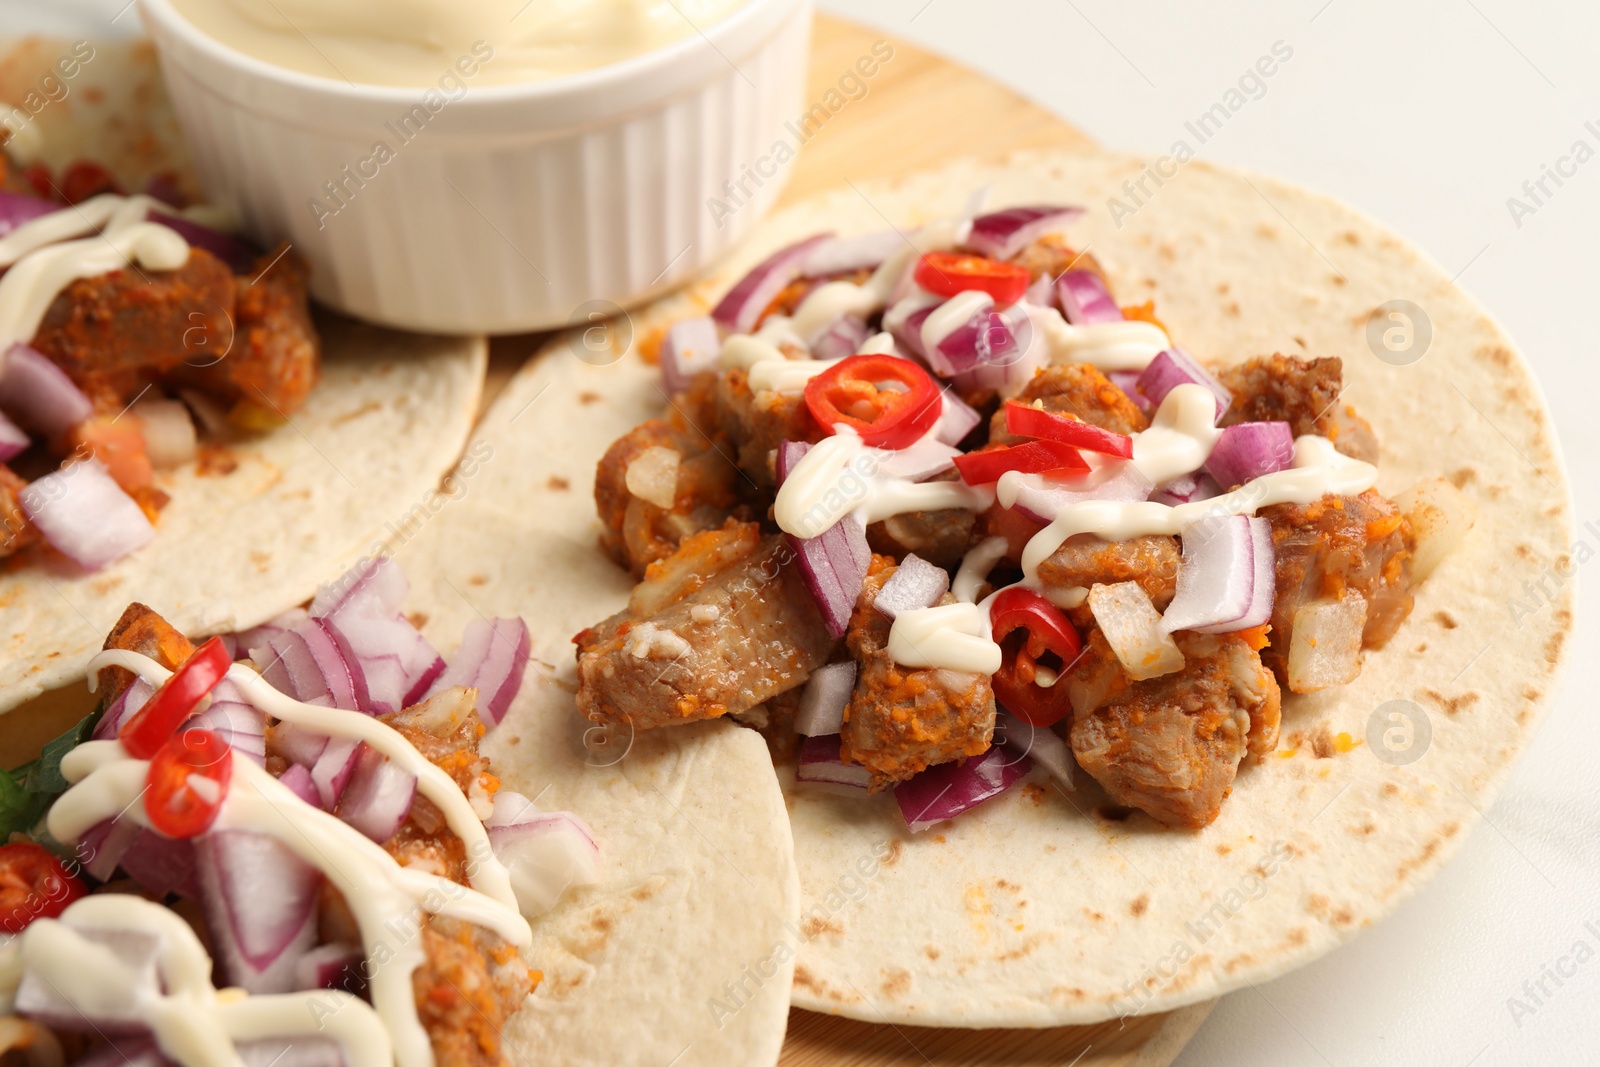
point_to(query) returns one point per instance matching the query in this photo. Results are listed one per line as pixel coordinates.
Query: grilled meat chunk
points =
(902, 720)
(1302, 392)
(1050, 257)
(720, 626)
(143, 631)
(1171, 746)
(16, 532)
(941, 537)
(757, 422)
(1087, 560)
(1362, 543)
(637, 532)
(1078, 389)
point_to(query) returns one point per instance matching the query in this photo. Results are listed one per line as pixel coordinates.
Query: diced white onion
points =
(1326, 647)
(1132, 628)
(1440, 516)
(653, 476)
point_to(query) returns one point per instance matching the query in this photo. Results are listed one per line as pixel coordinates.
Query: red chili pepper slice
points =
(34, 884)
(858, 391)
(149, 728)
(949, 273)
(38, 176)
(83, 179)
(1027, 627)
(188, 780)
(1025, 421)
(1034, 457)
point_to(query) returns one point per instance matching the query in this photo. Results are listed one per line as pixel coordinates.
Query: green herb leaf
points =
(44, 777)
(19, 809)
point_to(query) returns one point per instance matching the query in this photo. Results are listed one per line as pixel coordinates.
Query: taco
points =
(172, 414)
(1138, 580)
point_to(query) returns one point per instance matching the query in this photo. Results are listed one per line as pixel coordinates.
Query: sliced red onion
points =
(841, 255)
(297, 779)
(379, 795)
(909, 331)
(169, 437)
(1042, 497)
(331, 966)
(946, 790)
(105, 844)
(1264, 583)
(257, 636)
(1002, 234)
(130, 700)
(843, 338)
(306, 664)
(260, 904)
(240, 724)
(741, 309)
(1185, 489)
(18, 208)
(1085, 298)
(85, 514)
(990, 338)
(919, 460)
(1247, 450)
(333, 770)
(362, 613)
(690, 347)
(1039, 743)
(12, 439)
(915, 584)
(1175, 367)
(834, 564)
(544, 852)
(38, 394)
(239, 256)
(821, 768)
(301, 746)
(163, 865)
(492, 659)
(826, 695)
(1217, 575)
(789, 454)
(956, 420)
(1128, 382)
(119, 1009)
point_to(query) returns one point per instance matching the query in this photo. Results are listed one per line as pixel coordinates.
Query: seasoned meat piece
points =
(116, 333)
(1302, 392)
(743, 629)
(1360, 542)
(1050, 256)
(757, 422)
(1075, 389)
(143, 631)
(1171, 746)
(273, 354)
(1086, 560)
(941, 537)
(471, 984)
(636, 532)
(902, 720)
(16, 532)
(774, 721)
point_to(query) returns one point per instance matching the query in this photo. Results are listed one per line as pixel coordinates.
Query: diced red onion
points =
(741, 309)
(378, 797)
(544, 852)
(1039, 743)
(302, 746)
(164, 188)
(1217, 575)
(690, 347)
(834, 564)
(119, 1009)
(820, 766)
(105, 844)
(915, 584)
(909, 332)
(1042, 292)
(330, 966)
(162, 864)
(260, 904)
(85, 514)
(1041, 498)
(238, 723)
(841, 255)
(789, 454)
(1128, 382)
(130, 700)
(333, 770)
(843, 338)
(19, 208)
(1085, 298)
(1264, 583)
(307, 665)
(256, 636)
(362, 613)
(492, 659)
(823, 701)
(39, 395)
(956, 420)
(1002, 234)
(297, 779)
(1175, 367)
(239, 256)
(1247, 450)
(169, 438)
(1185, 489)
(12, 439)
(948, 789)
(921, 459)
(989, 338)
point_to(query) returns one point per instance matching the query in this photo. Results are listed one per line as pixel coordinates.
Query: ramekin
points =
(514, 207)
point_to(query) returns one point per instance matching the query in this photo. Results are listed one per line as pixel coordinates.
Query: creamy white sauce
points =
(975, 568)
(386, 899)
(951, 315)
(950, 636)
(1127, 345)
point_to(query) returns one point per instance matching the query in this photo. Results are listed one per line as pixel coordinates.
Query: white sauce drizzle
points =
(385, 898)
(951, 315)
(950, 636)
(1127, 345)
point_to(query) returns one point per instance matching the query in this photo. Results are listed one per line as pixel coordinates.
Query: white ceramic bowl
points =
(510, 208)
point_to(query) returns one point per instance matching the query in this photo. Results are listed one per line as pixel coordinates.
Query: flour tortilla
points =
(1033, 910)
(684, 953)
(386, 422)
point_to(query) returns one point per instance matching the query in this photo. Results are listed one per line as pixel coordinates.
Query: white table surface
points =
(1427, 116)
